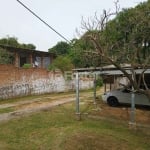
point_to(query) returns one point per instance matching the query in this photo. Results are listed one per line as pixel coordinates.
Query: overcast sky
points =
(63, 15)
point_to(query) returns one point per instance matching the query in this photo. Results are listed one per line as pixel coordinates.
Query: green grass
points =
(6, 110)
(59, 129)
(13, 100)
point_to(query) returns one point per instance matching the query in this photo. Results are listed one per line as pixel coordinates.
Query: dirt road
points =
(26, 107)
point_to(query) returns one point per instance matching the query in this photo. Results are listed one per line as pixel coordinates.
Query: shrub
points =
(99, 82)
(27, 66)
(6, 57)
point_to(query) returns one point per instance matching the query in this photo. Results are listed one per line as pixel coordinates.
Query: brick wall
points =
(16, 82)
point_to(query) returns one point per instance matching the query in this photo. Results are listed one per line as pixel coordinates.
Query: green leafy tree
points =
(63, 63)
(28, 46)
(61, 48)
(79, 57)
(124, 39)
(9, 41)
(13, 42)
(130, 31)
(6, 57)
(77, 54)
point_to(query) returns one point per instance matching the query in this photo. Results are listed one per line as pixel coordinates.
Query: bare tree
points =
(120, 42)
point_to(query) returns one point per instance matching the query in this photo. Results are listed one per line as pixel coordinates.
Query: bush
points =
(27, 66)
(61, 62)
(51, 67)
(6, 57)
(99, 82)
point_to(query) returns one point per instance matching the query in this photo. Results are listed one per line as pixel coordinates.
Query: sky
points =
(63, 15)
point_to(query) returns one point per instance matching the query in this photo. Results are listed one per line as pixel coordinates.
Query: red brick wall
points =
(7, 73)
(19, 82)
(10, 74)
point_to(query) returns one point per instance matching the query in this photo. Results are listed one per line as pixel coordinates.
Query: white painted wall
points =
(36, 84)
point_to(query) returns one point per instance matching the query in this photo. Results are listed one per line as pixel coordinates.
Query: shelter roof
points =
(110, 70)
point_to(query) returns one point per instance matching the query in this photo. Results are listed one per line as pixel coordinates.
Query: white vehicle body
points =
(114, 97)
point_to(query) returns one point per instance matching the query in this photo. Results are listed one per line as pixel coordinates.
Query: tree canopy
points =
(61, 48)
(5, 57)
(13, 41)
(63, 63)
(128, 34)
(124, 39)
(80, 51)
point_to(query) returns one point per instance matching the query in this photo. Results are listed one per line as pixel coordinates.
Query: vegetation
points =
(119, 41)
(61, 48)
(80, 53)
(5, 57)
(58, 129)
(99, 82)
(128, 41)
(27, 66)
(116, 38)
(6, 110)
(61, 62)
(13, 41)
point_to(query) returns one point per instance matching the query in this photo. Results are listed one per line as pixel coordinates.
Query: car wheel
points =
(112, 101)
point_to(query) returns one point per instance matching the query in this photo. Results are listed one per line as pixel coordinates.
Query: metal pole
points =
(132, 116)
(94, 88)
(132, 119)
(77, 94)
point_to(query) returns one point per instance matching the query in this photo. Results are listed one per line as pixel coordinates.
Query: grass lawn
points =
(59, 129)
(6, 110)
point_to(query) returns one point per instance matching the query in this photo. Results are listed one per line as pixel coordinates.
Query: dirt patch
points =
(123, 112)
(32, 105)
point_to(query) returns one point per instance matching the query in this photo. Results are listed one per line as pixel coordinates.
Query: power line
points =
(43, 21)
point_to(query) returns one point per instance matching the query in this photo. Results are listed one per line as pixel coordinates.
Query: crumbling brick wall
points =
(16, 82)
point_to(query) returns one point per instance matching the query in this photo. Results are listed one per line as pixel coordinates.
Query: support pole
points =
(77, 94)
(132, 117)
(132, 123)
(94, 89)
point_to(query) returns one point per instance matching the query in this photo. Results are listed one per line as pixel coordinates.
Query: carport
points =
(109, 75)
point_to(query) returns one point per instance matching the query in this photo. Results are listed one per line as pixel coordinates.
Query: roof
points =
(108, 67)
(18, 49)
(110, 70)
